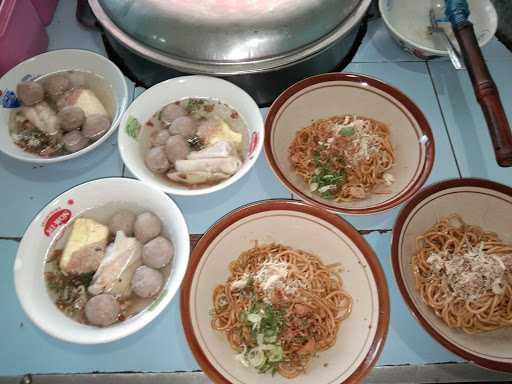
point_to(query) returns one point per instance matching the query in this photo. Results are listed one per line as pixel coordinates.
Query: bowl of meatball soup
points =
(101, 260)
(191, 135)
(60, 105)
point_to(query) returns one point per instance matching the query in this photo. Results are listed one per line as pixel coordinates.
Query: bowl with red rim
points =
(337, 94)
(478, 202)
(108, 194)
(361, 335)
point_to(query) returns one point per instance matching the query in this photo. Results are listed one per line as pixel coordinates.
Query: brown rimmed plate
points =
(479, 202)
(333, 94)
(361, 336)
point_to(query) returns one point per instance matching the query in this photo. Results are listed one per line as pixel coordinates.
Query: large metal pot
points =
(263, 46)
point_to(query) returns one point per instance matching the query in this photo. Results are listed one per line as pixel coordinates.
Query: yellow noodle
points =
(321, 293)
(451, 237)
(362, 175)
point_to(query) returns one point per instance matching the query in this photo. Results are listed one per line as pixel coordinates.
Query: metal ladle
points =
(436, 14)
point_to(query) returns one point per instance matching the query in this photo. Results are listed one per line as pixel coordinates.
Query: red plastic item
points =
(45, 9)
(22, 34)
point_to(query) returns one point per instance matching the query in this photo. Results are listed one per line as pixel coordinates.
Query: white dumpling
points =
(192, 178)
(219, 149)
(43, 117)
(116, 270)
(228, 165)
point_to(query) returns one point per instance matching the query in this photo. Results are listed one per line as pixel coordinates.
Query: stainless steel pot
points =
(261, 45)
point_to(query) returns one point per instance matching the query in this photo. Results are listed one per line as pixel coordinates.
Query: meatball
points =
(147, 282)
(171, 112)
(30, 92)
(160, 137)
(156, 160)
(184, 126)
(74, 141)
(57, 85)
(95, 126)
(71, 118)
(102, 310)
(176, 148)
(157, 253)
(122, 221)
(147, 226)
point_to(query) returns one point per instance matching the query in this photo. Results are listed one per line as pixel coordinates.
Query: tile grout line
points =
(10, 238)
(198, 235)
(444, 119)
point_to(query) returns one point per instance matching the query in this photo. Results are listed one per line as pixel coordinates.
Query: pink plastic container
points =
(45, 9)
(22, 34)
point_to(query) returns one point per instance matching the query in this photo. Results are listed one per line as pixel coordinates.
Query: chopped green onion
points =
(255, 319)
(328, 195)
(256, 357)
(270, 339)
(347, 131)
(132, 127)
(275, 354)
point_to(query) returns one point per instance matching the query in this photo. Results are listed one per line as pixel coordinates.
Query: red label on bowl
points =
(252, 144)
(55, 220)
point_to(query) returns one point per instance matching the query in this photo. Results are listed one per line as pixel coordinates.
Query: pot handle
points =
(85, 15)
(486, 93)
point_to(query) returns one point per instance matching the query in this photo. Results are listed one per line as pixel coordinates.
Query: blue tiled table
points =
(462, 149)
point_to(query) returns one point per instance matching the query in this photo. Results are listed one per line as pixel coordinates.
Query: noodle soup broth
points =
(71, 291)
(44, 129)
(195, 143)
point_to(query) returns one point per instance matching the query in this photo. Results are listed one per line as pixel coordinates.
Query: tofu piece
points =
(215, 130)
(116, 270)
(85, 247)
(83, 98)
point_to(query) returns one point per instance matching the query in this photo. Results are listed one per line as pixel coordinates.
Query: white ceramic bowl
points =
(156, 97)
(408, 22)
(29, 264)
(56, 61)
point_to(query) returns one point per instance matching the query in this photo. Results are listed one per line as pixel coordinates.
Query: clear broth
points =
(80, 79)
(220, 109)
(130, 306)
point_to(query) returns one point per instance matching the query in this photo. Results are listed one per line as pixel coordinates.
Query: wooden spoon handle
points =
(486, 93)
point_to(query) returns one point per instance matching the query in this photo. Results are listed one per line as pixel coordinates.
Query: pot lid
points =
(224, 31)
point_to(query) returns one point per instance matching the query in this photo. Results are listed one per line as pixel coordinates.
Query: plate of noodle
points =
(278, 291)
(452, 260)
(349, 143)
